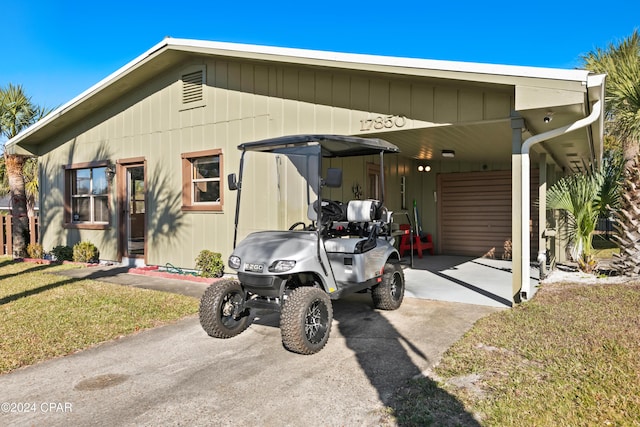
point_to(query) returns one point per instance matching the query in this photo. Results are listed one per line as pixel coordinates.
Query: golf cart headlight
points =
(281, 266)
(234, 262)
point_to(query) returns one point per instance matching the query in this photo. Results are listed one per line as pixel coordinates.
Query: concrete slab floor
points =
(469, 280)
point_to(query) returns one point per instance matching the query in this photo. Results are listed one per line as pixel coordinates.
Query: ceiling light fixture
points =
(448, 153)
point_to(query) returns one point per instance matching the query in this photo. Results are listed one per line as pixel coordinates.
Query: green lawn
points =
(45, 315)
(568, 357)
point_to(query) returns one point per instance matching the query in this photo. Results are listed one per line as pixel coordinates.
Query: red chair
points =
(424, 244)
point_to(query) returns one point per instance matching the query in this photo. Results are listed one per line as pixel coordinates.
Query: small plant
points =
(210, 264)
(85, 252)
(62, 253)
(34, 250)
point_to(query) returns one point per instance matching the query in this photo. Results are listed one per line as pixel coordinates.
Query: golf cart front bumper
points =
(261, 284)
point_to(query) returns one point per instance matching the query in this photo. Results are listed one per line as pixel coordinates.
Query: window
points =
(201, 188)
(87, 196)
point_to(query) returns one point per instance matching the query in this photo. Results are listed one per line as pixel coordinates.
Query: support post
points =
(517, 124)
(542, 215)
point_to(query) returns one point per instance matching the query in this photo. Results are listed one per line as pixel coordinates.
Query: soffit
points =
(469, 141)
(490, 141)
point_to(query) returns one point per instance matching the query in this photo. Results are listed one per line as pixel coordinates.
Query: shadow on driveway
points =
(390, 359)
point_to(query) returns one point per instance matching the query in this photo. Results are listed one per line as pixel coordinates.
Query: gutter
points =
(524, 190)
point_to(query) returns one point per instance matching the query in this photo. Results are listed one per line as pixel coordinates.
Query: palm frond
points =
(621, 63)
(579, 195)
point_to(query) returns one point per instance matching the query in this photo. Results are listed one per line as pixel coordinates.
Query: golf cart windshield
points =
(276, 198)
(279, 189)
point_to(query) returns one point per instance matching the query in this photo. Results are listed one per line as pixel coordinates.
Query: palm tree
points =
(17, 112)
(612, 172)
(31, 182)
(579, 196)
(621, 63)
(627, 225)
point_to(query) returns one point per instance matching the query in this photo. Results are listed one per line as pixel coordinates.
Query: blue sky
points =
(57, 49)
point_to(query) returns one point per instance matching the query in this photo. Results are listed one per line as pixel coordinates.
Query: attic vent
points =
(192, 84)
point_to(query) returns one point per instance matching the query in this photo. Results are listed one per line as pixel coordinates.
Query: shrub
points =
(34, 250)
(210, 264)
(62, 253)
(85, 252)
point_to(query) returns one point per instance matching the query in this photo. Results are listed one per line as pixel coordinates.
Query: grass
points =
(45, 315)
(568, 357)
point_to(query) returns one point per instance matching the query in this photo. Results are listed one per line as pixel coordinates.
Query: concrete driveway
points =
(177, 375)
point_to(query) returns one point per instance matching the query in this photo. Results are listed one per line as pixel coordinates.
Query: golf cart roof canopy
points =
(331, 145)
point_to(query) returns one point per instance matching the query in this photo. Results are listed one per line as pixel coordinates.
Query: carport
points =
(482, 177)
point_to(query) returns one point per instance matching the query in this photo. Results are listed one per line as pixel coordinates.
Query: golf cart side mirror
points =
(232, 181)
(334, 178)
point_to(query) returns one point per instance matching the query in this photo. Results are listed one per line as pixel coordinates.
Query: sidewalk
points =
(122, 276)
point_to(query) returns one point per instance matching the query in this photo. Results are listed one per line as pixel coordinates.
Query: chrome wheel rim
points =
(228, 308)
(396, 286)
(316, 320)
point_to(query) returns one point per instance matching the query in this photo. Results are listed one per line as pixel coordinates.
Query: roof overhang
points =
(568, 94)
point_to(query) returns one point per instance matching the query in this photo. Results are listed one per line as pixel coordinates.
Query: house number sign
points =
(383, 122)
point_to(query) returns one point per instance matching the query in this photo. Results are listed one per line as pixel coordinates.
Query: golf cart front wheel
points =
(305, 320)
(221, 314)
(389, 293)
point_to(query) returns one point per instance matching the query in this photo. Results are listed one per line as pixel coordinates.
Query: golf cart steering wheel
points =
(304, 226)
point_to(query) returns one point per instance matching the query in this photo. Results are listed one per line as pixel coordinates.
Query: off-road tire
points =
(388, 294)
(305, 320)
(215, 309)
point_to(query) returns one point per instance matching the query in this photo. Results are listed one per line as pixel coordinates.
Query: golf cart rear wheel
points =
(388, 294)
(305, 320)
(221, 313)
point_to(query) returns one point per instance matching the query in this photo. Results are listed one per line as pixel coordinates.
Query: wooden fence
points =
(6, 236)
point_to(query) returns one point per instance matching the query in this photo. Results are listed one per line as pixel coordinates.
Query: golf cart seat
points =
(362, 211)
(359, 214)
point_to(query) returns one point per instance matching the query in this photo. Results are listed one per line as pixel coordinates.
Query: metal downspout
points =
(524, 189)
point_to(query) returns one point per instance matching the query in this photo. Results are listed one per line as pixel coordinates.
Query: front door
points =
(134, 212)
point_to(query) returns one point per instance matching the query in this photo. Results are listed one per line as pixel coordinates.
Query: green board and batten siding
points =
(242, 101)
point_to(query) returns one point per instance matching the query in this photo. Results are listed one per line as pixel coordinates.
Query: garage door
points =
(475, 213)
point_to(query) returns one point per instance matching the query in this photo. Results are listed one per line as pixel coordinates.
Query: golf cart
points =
(328, 249)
